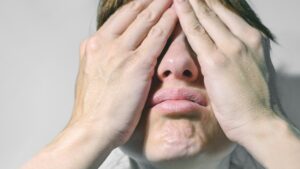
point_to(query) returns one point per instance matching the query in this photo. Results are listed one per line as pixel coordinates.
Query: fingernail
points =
(180, 1)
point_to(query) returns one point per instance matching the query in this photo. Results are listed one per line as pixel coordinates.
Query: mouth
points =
(180, 101)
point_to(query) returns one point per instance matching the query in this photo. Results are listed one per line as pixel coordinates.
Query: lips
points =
(178, 101)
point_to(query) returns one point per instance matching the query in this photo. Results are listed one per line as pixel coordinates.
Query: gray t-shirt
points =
(240, 159)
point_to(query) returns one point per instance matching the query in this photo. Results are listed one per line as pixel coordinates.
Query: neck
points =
(220, 160)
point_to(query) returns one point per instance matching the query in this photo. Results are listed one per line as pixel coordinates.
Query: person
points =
(175, 84)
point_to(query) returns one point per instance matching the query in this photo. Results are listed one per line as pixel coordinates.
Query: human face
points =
(176, 128)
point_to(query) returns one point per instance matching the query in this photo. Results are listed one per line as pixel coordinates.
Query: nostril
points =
(187, 73)
(166, 73)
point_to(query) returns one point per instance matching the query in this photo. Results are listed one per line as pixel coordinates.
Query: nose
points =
(178, 62)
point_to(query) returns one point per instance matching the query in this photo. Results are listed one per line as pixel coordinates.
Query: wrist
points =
(93, 129)
(87, 133)
(271, 141)
(263, 129)
(76, 137)
(252, 128)
(74, 147)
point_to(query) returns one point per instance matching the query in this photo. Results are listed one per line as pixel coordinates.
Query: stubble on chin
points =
(171, 138)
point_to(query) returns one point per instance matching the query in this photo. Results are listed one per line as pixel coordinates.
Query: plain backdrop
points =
(39, 54)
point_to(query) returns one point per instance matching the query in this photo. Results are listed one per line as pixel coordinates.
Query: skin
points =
(169, 139)
(121, 66)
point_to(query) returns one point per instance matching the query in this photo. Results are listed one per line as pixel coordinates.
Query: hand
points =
(231, 56)
(116, 68)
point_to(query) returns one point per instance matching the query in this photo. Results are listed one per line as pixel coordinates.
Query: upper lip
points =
(178, 94)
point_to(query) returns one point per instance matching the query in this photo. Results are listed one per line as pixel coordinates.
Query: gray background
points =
(39, 46)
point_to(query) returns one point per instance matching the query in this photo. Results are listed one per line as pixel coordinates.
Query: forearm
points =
(74, 148)
(273, 143)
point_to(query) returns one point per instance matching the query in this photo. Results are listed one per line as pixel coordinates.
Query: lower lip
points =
(177, 107)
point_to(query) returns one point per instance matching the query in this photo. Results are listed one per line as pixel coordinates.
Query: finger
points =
(238, 26)
(123, 17)
(217, 30)
(199, 40)
(140, 27)
(158, 36)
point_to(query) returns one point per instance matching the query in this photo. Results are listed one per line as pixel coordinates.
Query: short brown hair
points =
(107, 7)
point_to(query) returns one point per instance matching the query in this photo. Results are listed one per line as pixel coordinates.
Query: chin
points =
(174, 139)
(159, 139)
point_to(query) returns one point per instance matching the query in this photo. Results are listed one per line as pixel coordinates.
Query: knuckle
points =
(196, 28)
(218, 61)
(255, 39)
(147, 16)
(92, 44)
(236, 48)
(207, 12)
(135, 6)
(156, 32)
